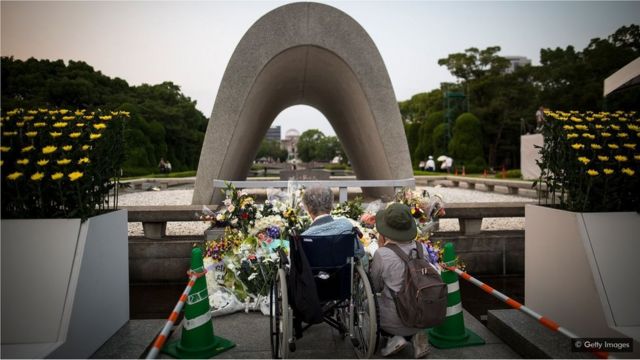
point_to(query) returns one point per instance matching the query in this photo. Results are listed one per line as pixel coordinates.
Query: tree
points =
(466, 144)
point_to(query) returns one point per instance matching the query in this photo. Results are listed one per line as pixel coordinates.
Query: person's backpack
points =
(422, 299)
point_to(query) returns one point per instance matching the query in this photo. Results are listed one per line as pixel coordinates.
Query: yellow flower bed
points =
(590, 160)
(59, 162)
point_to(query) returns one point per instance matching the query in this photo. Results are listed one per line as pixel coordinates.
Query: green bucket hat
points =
(396, 223)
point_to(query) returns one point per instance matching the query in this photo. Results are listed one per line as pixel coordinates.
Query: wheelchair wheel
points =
(365, 328)
(279, 316)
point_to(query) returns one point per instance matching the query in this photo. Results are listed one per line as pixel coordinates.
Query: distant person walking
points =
(162, 165)
(431, 165)
(422, 165)
(540, 119)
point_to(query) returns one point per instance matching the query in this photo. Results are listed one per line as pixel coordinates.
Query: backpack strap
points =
(396, 249)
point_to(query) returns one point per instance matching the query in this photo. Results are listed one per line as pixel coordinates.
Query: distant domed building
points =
(290, 143)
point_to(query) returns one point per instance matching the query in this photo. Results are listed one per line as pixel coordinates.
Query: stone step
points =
(529, 338)
(131, 341)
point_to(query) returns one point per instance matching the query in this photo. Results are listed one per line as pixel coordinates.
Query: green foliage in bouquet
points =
(58, 163)
(351, 209)
(590, 161)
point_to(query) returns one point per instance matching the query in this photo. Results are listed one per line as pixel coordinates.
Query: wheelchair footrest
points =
(355, 342)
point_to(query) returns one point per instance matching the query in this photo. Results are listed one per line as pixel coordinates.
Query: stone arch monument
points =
(305, 54)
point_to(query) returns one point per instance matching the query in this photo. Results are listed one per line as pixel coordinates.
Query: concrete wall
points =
(167, 260)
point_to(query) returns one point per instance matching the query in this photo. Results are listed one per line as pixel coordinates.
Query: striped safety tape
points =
(516, 305)
(164, 333)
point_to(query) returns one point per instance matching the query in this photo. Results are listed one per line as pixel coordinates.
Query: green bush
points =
(466, 145)
(336, 167)
(510, 174)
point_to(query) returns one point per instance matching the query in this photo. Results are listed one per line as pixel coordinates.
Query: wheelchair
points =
(346, 297)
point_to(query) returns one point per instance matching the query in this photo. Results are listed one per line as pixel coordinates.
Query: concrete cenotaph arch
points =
(309, 54)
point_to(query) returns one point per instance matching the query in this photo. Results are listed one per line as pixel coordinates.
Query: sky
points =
(190, 43)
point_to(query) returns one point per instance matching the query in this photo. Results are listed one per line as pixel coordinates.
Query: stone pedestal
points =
(529, 154)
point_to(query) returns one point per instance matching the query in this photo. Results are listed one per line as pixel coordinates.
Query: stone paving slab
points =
(131, 340)
(250, 333)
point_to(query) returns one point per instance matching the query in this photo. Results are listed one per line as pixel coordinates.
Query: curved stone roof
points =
(310, 54)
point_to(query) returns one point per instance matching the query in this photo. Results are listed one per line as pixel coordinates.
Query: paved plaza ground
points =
(250, 333)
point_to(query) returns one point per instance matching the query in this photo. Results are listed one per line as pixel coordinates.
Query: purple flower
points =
(273, 232)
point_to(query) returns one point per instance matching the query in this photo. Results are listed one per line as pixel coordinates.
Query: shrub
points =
(466, 145)
(58, 163)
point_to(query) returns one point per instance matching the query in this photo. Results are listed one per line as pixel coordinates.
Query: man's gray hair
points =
(318, 200)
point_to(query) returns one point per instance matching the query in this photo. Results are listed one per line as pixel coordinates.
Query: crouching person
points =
(399, 271)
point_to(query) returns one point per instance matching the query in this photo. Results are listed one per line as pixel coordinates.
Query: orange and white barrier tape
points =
(516, 305)
(164, 333)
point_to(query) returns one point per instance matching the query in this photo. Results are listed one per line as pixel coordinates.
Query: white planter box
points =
(65, 285)
(581, 270)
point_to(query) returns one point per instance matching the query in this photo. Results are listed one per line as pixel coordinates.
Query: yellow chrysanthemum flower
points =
(621, 158)
(22, 161)
(31, 133)
(68, 118)
(598, 126)
(63, 161)
(106, 117)
(57, 176)
(60, 124)
(20, 124)
(592, 172)
(79, 112)
(32, 112)
(581, 127)
(14, 176)
(5, 148)
(85, 147)
(628, 171)
(75, 135)
(575, 119)
(42, 110)
(623, 135)
(607, 171)
(39, 124)
(125, 113)
(53, 112)
(1, 162)
(94, 136)
(79, 124)
(613, 146)
(615, 127)
(637, 157)
(27, 118)
(49, 149)
(577, 146)
(37, 176)
(67, 147)
(9, 133)
(633, 127)
(572, 135)
(75, 175)
(605, 134)
(588, 136)
(596, 146)
(84, 160)
(27, 148)
(630, 146)
(603, 158)
(63, 111)
(584, 160)
(55, 134)
(99, 126)
(88, 117)
(568, 127)
(43, 162)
